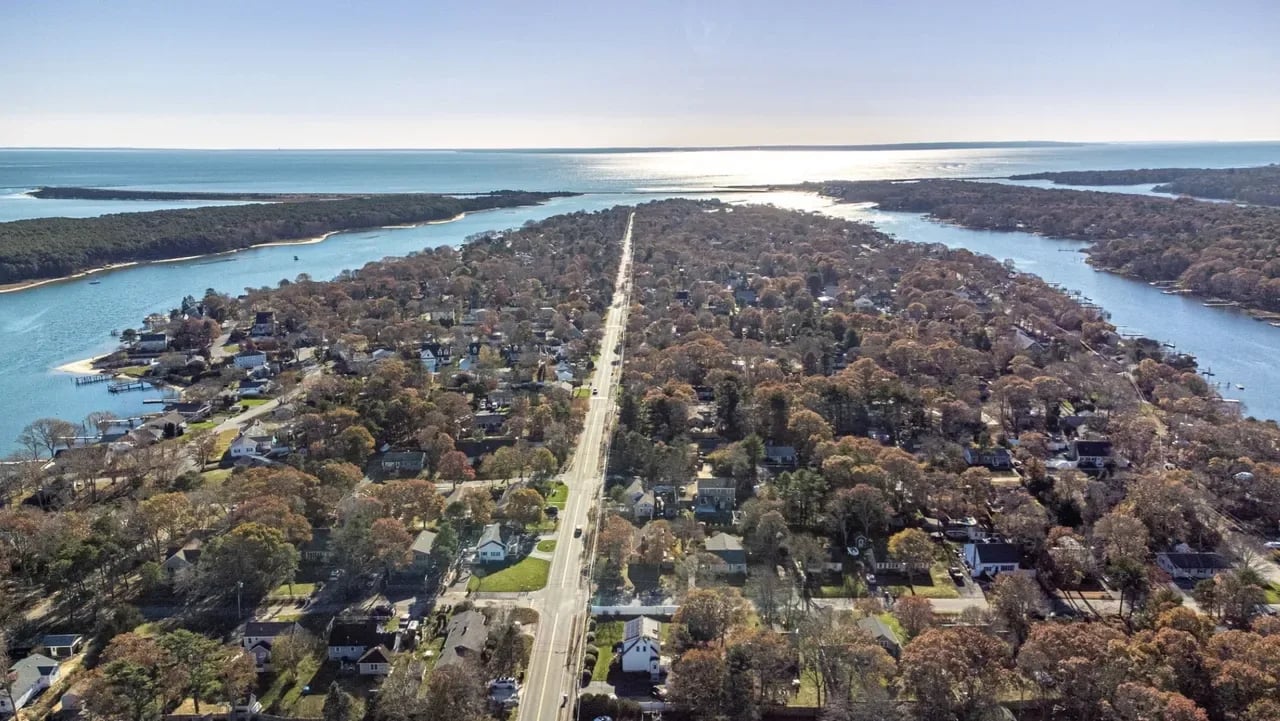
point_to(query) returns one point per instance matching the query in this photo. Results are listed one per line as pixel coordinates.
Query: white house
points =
(429, 360)
(375, 662)
(1192, 564)
(643, 507)
(31, 675)
(253, 440)
(642, 647)
(495, 544)
(152, 343)
(992, 558)
(260, 636)
(250, 360)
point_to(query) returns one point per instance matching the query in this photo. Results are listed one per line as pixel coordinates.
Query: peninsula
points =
(1259, 185)
(1217, 250)
(81, 193)
(47, 248)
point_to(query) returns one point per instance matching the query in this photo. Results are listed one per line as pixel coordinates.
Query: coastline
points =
(82, 367)
(29, 284)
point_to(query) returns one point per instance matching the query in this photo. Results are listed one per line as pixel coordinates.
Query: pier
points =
(126, 386)
(88, 380)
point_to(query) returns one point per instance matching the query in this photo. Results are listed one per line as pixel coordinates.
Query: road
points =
(554, 666)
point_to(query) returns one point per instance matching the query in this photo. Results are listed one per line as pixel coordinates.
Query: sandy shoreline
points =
(28, 284)
(82, 367)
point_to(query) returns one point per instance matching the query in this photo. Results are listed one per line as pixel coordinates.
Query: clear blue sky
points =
(286, 73)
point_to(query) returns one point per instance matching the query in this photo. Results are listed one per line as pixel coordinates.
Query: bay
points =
(44, 327)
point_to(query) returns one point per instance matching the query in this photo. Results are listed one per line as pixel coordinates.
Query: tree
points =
(861, 508)
(542, 465)
(198, 660)
(1087, 658)
(617, 539)
(412, 500)
(767, 538)
(455, 693)
(455, 467)
(953, 672)
(479, 505)
(237, 674)
(914, 614)
(273, 512)
(1119, 535)
(47, 434)
(698, 681)
(505, 649)
(657, 541)
(912, 547)
(290, 650)
(7, 678)
(1239, 594)
(355, 445)
(134, 681)
(524, 506)
(1015, 601)
(340, 705)
(391, 543)
(709, 613)
(251, 553)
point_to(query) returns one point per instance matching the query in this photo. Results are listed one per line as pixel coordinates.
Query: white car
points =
(1273, 545)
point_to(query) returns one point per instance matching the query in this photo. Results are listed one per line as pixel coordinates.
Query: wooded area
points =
(1215, 249)
(55, 247)
(1260, 185)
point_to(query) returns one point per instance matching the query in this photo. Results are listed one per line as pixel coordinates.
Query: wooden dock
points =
(87, 380)
(126, 386)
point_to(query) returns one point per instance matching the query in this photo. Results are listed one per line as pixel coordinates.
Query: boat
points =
(1239, 387)
(94, 282)
(295, 257)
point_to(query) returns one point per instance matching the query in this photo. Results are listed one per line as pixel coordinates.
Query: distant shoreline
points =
(28, 285)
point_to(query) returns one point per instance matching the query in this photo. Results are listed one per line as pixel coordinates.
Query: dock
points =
(88, 380)
(126, 386)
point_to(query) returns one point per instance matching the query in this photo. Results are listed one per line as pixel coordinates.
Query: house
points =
(988, 559)
(350, 639)
(183, 559)
(375, 662)
(634, 491)
(249, 360)
(997, 459)
(1192, 565)
(403, 461)
(254, 440)
(883, 635)
(317, 550)
(421, 550)
(465, 636)
(30, 676)
(382, 354)
(779, 455)
(644, 506)
(430, 361)
(728, 549)
(504, 692)
(63, 645)
(193, 411)
(716, 495)
(642, 647)
(496, 544)
(152, 343)
(260, 636)
(1094, 454)
(264, 324)
(488, 422)
(253, 388)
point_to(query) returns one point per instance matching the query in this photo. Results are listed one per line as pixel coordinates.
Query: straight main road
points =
(554, 671)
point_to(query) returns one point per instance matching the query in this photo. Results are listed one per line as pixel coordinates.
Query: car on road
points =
(1273, 545)
(577, 532)
(595, 391)
(957, 575)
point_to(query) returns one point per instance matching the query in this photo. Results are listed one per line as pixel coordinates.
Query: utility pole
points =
(239, 588)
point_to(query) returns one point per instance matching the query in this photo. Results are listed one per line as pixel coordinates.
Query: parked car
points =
(577, 532)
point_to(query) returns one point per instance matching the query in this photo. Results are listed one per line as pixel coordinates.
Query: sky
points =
(505, 73)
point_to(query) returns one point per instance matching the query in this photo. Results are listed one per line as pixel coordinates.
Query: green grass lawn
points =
(231, 348)
(529, 574)
(299, 590)
(807, 694)
(1273, 593)
(133, 371)
(254, 402)
(582, 392)
(224, 442)
(941, 587)
(201, 426)
(607, 634)
(547, 546)
(216, 476)
(559, 496)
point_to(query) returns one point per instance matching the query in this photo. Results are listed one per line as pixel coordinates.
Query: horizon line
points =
(921, 145)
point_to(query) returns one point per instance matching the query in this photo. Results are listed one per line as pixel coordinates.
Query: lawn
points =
(607, 634)
(254, 402)
(201, 426)
(216, 476)
(529, 574)
(582, 392)
(300, 590)
(1273, 593)
(939, 585)
(224, 442)
(559, 496)
(133, 371)
(547, 546)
